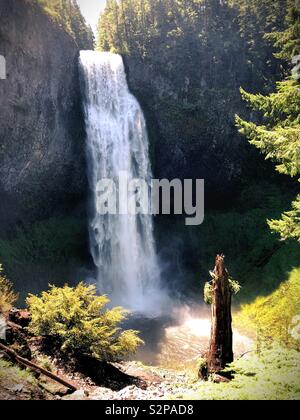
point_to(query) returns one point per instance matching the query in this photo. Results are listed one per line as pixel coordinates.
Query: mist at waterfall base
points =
(122, 246)
(179, 341)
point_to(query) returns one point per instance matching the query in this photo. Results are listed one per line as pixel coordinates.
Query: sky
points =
(91, 10)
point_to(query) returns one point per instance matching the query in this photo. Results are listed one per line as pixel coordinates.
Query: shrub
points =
(7, 295)
(78, 322)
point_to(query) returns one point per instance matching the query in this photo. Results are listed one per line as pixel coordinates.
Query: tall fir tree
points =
(279, 137)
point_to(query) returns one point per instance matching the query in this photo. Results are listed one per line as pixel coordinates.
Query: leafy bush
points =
(78, 322)
(7, 295)
(271, 317)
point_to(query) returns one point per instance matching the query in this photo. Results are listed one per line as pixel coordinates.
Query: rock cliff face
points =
(191, 120)
(188, 82)
(41, 125)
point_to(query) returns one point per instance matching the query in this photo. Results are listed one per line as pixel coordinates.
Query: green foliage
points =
(254, 255)
(234, 285)
(7, 295)
(77, 320)
(279, 137)
(186, 32)
(48, 251)
(257, 19)
(201, 363)
(289, 225)
(208, 293)
(272, 374)
(50, 241)
(14, 375)
(140, 27)
(67, 13)
(279, 140)
(271, 317)
(288, 41)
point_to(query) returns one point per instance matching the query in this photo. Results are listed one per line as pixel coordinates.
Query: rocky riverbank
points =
(168, 369)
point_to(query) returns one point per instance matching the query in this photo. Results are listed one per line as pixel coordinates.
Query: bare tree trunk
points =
(220, 352)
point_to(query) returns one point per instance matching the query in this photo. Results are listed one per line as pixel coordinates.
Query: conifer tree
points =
(279, 136)
(68, 14)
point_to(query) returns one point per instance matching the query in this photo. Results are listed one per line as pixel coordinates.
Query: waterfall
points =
(122, 246)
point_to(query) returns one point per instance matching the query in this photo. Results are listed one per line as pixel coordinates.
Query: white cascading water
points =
(122, 246)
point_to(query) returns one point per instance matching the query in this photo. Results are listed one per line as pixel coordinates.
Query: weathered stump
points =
(220, 351)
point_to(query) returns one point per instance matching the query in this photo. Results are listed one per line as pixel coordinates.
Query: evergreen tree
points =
(187, 33)
(68, 14)
(279, 137)
(288, 41)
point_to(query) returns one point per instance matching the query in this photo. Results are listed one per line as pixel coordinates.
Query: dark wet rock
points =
(41, 137)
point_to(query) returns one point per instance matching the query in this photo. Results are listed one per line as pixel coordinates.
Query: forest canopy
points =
(140, 27)
(68, 14)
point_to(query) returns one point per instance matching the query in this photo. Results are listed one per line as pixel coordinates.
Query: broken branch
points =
(23, 362)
